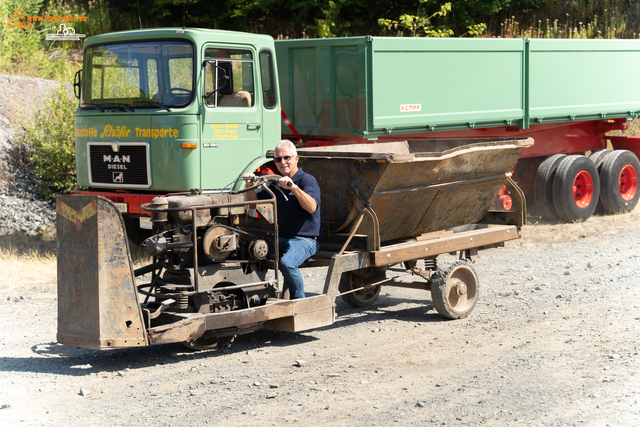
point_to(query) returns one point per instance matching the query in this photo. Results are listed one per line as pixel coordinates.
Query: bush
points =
(49, 142)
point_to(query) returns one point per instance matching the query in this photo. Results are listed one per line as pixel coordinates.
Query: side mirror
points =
(224, 83)
(77, 84)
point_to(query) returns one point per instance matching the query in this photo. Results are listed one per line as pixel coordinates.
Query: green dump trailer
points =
(566, 94)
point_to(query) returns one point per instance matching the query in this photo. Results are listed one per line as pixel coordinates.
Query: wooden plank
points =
(456, 242)
(434, 235)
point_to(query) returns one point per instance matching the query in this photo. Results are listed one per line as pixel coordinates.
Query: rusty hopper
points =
(415, 186)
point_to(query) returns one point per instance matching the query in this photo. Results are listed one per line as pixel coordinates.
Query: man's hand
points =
(286, 182)
(249, 178)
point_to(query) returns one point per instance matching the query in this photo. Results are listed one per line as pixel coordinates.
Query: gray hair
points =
(285, 143)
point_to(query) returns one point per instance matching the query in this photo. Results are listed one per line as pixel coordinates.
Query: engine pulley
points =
(258, 249)
(218, 243)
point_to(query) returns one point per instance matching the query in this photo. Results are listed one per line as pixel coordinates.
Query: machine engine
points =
(209, 255)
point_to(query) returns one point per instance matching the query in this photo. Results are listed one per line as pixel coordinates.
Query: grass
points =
(27, 263)
(594, 228)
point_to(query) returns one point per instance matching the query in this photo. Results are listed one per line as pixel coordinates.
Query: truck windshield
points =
(138, 75)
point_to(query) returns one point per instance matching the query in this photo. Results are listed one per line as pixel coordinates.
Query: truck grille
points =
(126, 167)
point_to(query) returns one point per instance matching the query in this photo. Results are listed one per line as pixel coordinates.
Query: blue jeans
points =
(295, 251)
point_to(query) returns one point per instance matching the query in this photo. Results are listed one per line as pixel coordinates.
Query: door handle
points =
(255, 125)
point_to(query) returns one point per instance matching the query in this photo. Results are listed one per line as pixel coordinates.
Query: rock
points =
(300, 363)
(421, 404)
(84, 392)
(5, 406)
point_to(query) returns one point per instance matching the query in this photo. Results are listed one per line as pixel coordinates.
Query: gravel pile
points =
(22, 205)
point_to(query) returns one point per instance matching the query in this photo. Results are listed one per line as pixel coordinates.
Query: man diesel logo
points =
(116, 162)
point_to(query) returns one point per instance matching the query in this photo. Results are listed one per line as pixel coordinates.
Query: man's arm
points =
(249, 195)
(307, 202)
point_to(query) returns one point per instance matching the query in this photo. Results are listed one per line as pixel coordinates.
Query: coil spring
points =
(183, 302)
(430, 264)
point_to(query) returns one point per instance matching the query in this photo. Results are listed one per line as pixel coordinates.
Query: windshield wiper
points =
(96, 106)
(118, 107)
(155, 104)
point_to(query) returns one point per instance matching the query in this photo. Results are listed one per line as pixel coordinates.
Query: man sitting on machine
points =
(298, 205)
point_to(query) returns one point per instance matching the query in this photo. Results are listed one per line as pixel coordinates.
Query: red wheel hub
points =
(506, 201)
(628, 182)
(582, 189)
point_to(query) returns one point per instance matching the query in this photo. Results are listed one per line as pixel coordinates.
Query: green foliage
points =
(420, 23)
(24, 49)
(608, 19)
(327, 26)
(48, 139)
(21, 46)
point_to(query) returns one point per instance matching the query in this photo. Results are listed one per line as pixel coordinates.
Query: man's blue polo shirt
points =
(293, 220)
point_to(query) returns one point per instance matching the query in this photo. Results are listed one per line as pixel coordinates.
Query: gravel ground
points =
(554, 341)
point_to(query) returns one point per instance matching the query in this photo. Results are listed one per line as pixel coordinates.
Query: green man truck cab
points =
(167, 110)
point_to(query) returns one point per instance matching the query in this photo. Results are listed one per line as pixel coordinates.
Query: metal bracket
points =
(373, 234)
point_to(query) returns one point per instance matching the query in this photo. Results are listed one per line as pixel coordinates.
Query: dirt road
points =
(554, 341)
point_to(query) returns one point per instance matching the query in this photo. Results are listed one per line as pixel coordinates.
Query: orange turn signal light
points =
(189, 145)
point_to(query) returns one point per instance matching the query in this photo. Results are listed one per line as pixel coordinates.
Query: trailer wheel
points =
(576, 187)
(454, 292)
(597, 157)
(208, 343)
(544, 185)
(619, 182)
(358, 279)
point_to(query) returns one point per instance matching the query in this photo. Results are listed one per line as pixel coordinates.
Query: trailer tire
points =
(597, 157)
(454, 292)
(576, 188)
(354, 280)
(543, 187)
(619, 182)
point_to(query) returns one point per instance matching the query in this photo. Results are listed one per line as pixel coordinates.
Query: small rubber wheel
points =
(543, 186)
(209, 343)
(619, 182)
(358, 279)
(576, 188)
(454, 292)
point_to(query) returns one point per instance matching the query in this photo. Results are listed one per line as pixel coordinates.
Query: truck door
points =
(232, 125)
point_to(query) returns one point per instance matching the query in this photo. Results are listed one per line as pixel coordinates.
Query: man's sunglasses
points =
(285, 158)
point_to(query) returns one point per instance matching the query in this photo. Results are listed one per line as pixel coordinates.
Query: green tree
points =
(48, 138)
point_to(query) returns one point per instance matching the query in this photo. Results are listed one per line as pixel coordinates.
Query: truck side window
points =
(229, 78)
(266, 74)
